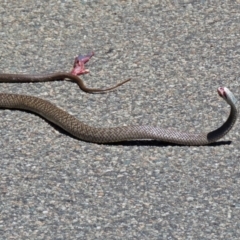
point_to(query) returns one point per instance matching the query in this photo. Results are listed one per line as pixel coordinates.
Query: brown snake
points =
(112, 134)
(59, 76)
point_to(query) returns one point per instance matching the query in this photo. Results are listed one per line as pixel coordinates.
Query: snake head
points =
(227, 95)
(79, 64)
(84, 58)
(221, 92)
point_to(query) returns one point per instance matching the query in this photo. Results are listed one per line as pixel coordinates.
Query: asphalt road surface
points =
(53, 186)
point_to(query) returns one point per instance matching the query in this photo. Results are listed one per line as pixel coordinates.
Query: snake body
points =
(58, 76)
(111, 134)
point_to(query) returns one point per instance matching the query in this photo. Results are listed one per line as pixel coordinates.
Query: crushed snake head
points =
(79, 64)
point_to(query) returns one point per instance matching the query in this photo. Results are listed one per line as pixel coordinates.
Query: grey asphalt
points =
(53, 186)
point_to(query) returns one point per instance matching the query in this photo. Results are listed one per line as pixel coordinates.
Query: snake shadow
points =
(161, 144)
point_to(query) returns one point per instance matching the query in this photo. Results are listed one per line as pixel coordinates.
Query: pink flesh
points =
(78, 66)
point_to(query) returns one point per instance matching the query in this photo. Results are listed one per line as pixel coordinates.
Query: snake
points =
(58, 76)
(87, 133)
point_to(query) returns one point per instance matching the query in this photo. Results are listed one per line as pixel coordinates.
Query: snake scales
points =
(112, 134)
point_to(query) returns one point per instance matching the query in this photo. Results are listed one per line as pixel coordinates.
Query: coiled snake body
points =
(112, 134)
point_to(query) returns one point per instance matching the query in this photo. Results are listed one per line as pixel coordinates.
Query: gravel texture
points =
(53, 186)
